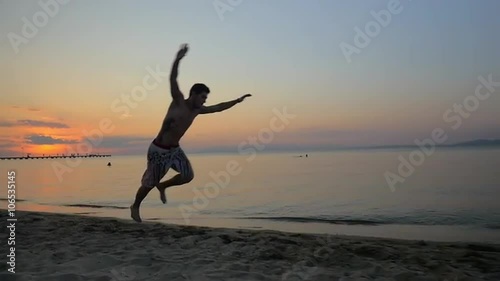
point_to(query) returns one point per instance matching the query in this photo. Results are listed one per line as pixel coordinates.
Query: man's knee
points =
(188, 177)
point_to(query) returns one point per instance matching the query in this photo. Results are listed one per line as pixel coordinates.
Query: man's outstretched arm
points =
(174, 86)
(222, 106)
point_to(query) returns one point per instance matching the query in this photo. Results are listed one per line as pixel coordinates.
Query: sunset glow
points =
(84, 67)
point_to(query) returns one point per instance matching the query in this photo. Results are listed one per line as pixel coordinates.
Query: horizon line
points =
(476, 143)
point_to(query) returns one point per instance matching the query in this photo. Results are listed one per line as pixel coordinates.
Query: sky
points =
(73, 70)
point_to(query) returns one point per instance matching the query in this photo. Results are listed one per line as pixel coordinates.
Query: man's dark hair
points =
(199, 88)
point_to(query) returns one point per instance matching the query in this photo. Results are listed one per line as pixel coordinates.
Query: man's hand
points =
(243, 97)
(182, 51)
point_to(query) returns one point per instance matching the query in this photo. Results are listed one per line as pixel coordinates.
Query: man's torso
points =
(177, 121)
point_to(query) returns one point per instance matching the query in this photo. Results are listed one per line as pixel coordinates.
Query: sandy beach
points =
(76, 247)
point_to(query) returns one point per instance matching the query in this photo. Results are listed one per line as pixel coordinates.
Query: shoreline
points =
(430, 233)
(53, 246)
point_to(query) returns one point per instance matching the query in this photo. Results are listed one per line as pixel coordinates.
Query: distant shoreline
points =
(334, 149)
(477, 144)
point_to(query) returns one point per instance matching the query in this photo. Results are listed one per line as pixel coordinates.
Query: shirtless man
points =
(164, 152)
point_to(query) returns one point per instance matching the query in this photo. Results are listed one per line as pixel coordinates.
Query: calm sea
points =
(452, 196)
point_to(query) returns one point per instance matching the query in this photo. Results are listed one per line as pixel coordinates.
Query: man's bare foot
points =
(163, 197)
(134, 213)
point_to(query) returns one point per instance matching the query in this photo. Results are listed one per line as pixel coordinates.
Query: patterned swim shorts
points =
(160, 160)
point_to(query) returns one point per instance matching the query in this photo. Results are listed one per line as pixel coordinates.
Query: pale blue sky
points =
(284, 52)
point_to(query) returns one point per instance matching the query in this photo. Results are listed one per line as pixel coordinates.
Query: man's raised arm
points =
(174, 86)
(222, 106)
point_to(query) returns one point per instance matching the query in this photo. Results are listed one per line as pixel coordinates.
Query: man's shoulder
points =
(178, 103)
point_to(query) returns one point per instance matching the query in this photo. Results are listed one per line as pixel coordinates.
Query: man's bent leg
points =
(181, 165)
(178, 179)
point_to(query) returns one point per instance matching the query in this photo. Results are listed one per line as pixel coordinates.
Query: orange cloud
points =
(21, 108)
(32, 123)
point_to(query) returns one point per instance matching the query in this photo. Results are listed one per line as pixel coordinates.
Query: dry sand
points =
(70, 248)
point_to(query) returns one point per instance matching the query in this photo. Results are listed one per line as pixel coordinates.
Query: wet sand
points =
(77, 247)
